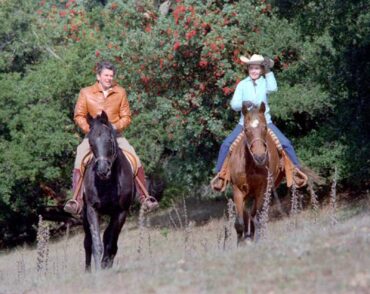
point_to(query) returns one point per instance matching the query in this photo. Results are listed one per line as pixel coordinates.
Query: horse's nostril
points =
(103, 172)
(260, 159)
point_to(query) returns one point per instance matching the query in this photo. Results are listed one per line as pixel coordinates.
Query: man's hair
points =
(105, 65)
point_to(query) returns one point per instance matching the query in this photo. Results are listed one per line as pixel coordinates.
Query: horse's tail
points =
(313, 177)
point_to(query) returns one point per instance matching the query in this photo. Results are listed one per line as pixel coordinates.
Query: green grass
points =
(295, 257)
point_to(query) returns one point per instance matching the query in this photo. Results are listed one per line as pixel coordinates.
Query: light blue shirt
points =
(247, 91)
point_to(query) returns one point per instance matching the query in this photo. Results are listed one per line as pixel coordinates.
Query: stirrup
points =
(218, 183)
(301, 177)
(149, 204)
(73, 207)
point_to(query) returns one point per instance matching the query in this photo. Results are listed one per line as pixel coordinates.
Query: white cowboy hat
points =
(256, 59)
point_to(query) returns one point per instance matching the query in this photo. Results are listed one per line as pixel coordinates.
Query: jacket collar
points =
(98, 88)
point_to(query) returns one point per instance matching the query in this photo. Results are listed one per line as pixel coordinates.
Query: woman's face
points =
(255, 71)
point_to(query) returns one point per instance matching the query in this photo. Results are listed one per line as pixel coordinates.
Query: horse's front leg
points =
(97, 248)
(239, 207)
(110, 238)
(256, 210)
(249, 227)
(87, 241)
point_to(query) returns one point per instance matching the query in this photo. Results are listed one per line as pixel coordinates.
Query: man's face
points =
(105, 78)
(254, 71)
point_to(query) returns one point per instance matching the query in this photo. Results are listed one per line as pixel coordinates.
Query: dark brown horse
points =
(250, 162)
(109, 189)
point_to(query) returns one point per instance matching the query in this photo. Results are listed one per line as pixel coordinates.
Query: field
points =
(307, 253)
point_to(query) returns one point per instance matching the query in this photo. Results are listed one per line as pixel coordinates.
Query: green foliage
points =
(17, 46)
(180, 72)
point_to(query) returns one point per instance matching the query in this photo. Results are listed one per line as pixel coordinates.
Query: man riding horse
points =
(105, 95)
(255, 88)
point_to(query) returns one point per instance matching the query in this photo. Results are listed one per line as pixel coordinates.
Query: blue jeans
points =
(286, 144)
(224, 150)
(284, 141)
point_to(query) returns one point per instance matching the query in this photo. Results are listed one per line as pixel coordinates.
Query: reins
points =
(251, 145)
(113, 148)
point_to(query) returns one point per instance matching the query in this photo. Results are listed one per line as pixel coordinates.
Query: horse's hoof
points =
(107, 263)
(240, 242)
(248, 241)
(239, 226)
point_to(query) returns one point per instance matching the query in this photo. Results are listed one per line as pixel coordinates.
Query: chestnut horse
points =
(251, 160)
(109, 190)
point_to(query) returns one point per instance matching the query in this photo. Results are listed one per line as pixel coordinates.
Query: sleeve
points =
(267, 111)
(124, 114)
(237, 100)
(80, 115)
(271, 85)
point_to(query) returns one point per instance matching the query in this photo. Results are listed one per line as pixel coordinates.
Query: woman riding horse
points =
(106, 96)
(255, 88)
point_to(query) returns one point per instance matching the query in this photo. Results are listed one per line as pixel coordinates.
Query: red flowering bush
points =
(180, 71)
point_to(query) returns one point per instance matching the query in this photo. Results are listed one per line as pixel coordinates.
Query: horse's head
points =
(255, 129)
(103, 144)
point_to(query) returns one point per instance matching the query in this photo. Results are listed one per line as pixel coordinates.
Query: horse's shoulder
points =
(237, 152)
(272, 146)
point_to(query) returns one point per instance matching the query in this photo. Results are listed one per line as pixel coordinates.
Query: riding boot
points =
(220, 181)
(149, 203)
(293, 173)
(300, 178)
(74, 205)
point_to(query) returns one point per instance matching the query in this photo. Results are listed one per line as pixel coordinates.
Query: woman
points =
(255, 88)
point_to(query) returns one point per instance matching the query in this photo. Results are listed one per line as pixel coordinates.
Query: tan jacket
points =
(91, 100)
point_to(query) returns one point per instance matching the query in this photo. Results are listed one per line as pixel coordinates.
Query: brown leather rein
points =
(251, 145)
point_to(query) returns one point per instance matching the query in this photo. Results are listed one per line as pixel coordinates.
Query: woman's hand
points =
(266, 64)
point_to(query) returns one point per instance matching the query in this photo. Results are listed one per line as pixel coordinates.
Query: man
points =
(108, 96)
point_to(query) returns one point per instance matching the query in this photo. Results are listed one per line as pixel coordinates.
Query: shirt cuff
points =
(269, 74)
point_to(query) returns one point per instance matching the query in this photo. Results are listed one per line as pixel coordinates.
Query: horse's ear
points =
(103, 118)
(246, 106)
(90, 120)
(262, 107)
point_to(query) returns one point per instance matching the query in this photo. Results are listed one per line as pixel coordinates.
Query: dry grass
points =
(311, 257)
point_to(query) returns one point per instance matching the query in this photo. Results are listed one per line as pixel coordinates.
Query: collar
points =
(249, 79)
(98, 88)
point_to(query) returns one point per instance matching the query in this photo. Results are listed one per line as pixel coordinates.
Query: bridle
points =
(113, 149)
(250, 145)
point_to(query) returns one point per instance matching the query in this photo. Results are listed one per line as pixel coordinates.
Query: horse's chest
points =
(107, 197)
(251, 182)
